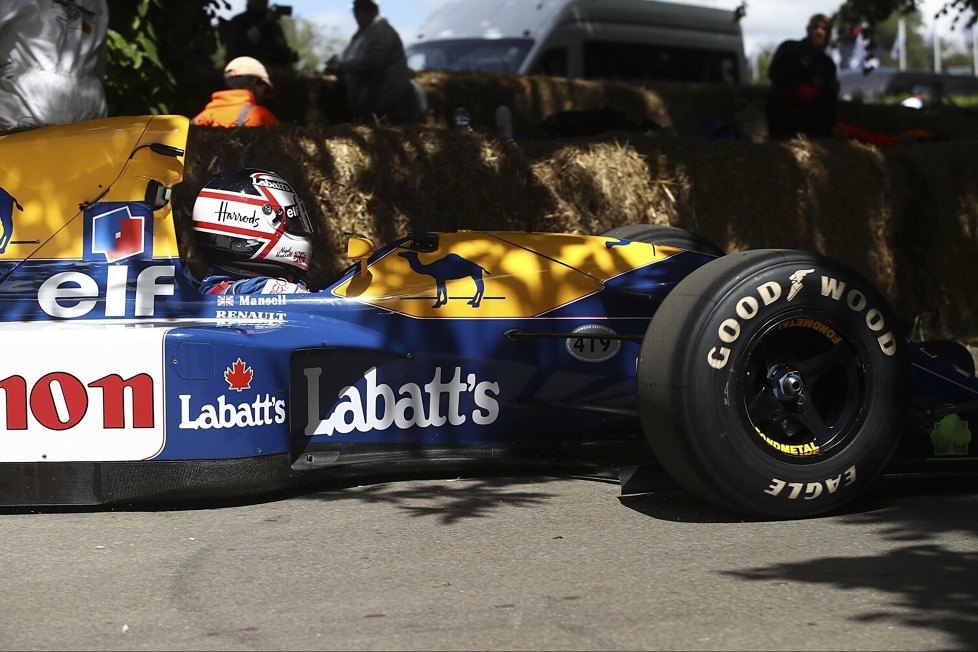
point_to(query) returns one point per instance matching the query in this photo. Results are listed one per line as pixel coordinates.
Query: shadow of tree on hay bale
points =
(906, 218)
(382, 182)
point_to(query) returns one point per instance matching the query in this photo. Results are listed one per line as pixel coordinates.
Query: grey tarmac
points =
(504, 563)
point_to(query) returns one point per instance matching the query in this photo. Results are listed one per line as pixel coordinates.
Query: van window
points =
(645, 62)
(553, 62)
(488, 55)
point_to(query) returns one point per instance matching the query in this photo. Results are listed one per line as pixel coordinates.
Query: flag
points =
(900, 41)
(833, 48)
(858, 55)
(836, 53)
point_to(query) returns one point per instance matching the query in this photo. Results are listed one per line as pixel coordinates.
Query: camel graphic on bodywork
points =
(446, 269)
(7, 206)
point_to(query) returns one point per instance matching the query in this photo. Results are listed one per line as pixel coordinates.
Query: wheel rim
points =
(803, 387)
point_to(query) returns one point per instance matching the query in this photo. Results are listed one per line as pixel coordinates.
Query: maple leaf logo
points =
(239, 376)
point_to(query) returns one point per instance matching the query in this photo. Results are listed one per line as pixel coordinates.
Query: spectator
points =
(928, 97)
(374, 70)
(918, 99)
(257, 32)
(240, 105)
(52, 60)
(804, 85)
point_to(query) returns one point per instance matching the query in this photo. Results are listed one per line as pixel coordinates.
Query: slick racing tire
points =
(774, 383)
(661, 234)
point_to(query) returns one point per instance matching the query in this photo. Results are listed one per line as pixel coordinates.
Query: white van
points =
(636, 40)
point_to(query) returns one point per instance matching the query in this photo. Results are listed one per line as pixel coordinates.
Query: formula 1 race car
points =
(774, 383)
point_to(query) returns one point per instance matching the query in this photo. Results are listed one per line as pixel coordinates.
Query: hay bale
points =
(906, 218)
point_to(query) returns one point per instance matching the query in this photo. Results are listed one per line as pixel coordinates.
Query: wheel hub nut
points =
(787, 384)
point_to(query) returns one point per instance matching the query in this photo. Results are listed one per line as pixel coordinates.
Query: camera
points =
(280, 10)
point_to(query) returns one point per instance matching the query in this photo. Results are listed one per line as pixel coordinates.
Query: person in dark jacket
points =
(257, 32)
(804, 85)
(374, 71)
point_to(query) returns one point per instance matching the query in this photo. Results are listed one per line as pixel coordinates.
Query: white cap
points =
(248, 66)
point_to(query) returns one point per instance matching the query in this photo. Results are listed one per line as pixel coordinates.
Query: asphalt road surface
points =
(526, 563)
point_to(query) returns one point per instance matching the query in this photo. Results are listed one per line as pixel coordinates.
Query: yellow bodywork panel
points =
(55, 172)
(483, 275)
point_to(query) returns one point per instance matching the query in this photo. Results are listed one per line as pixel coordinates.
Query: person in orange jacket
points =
(240, 104)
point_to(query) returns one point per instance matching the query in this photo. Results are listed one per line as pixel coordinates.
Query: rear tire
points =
(774, 383)
(661, 234)
(954, 352)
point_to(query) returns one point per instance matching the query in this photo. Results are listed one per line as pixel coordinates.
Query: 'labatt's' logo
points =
(262, 411)
(378, 406)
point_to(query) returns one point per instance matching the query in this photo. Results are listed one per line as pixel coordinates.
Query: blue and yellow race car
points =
(774, 383)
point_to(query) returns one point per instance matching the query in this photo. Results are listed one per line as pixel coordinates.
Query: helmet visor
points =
(296, 220)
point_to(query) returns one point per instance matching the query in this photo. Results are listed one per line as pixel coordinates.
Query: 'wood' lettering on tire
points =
(856, 301)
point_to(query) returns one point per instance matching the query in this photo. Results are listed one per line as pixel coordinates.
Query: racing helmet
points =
(252, 221)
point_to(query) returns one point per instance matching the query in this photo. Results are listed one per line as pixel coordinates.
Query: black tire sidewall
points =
(703, 439)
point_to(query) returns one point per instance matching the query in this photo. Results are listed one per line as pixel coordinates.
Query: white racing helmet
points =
(252, 220)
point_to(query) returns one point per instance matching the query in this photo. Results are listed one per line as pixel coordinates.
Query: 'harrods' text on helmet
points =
(252, 220)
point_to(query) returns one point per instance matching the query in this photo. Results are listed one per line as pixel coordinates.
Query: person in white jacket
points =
(52, 61)
(379, 83)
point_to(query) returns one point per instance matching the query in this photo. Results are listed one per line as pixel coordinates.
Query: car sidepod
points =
(490, 346)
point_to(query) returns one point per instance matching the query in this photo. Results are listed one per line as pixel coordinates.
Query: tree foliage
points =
(313, 45)
(164, 54)
(874, 12)
(160, 49)
(880, 19)
(155, 48)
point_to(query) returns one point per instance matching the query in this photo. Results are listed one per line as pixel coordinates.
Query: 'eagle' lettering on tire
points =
(811, 490)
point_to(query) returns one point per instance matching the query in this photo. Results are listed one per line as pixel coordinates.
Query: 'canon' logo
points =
(59, 401)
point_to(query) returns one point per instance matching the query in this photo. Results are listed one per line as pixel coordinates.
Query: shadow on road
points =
(448, 500)
(929, 584)
(485, 487)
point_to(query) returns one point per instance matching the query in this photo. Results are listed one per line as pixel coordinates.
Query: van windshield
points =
(488, 55)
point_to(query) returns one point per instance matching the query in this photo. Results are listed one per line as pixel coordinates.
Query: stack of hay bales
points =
(905, 217)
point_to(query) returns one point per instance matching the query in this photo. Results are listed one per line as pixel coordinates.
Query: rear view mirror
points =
(360, 248)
